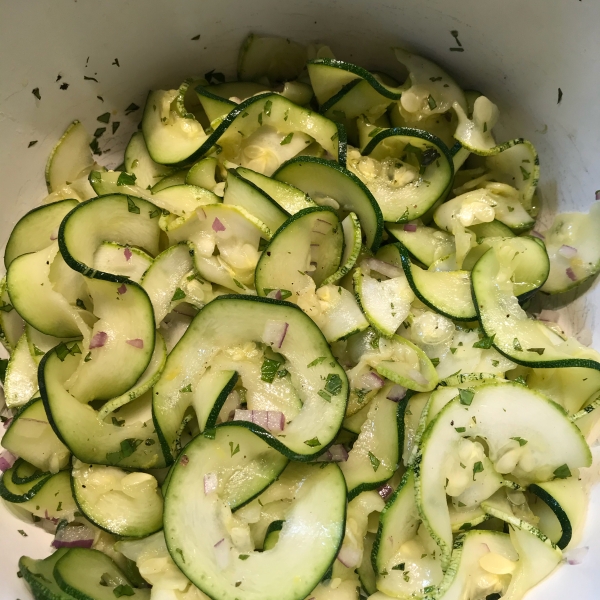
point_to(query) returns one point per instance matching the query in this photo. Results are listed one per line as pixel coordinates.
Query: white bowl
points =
(518, 53)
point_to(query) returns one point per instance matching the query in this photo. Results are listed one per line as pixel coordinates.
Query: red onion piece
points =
(137, 343)
(7, 423)
(570, 274)
(99, 340)
(73, 544)
(73, 535)
(336, 453)
(122, 289)
(275, 294)
(385, 491)
(567, 251)
(271, 420)
(210, 483)
(384, 268)
(7, 460)
(349, 557)
(537, 234)
(576, 556)
(274, 333)
(410, 227)
(371, 381)
(219, 542)
(128, 254)
(397, 393)
(217, 225)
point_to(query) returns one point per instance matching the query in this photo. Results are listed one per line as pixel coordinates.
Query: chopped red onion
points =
(128, 254)
(349, 557)
(336, 453)
(219, 542)
(99, 340)
(217, 225)
(486, 547)
(397, 393)
(275, 294)
(570, 274)
(210, 483)
(272, 420)
(7, 423)
(49, 518)
(576, 556)
(371, 381)
(54, 234)
(73, 535)
(7, 460)
(410, 227)
(384, 268)
(274, 333)
(137, 343)
(122, 289)
(385, 491)
(537, 234)
(567, 251)
(184, 460)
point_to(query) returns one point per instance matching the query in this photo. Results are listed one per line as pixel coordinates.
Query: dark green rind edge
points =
(557, 509)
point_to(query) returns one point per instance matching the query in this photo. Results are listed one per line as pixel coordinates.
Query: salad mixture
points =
(286, 349)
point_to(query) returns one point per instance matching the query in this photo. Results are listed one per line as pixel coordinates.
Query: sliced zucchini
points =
(70, 158)
(12, 325)
(20, 383)
(122, 503)
(272, 535)
(500, 413)
(521, 339)
(328, 183)
(176, 178)
(25, 472)
(352, 247)
(276, 58)
(183, 199)
(308, 245)
(573, 248)
(132, 444)
(426, 244)
(215, 106)
(232, 321)
(407, 171)
(122, 219)
(36, 230)
(289, 198)
(385, 302)
(89, 574)
(122, 260)
(203, 173)
(138, 162)
(205, 548)
(170, 137)
(30, 437)
(365, 571)
(405, 557)
(375, 454)
(355, 420)
(39, 574)
(241, 192)
(493, 229)
(34, 298)
(474, 132)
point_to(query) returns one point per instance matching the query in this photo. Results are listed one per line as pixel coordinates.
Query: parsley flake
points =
(313, 442)
(562, 472)
(287, 139)
(466, 397)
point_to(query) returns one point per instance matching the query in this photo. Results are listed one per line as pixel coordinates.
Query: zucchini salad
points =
(287, 349)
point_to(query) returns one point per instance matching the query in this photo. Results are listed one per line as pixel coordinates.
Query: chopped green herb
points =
(36, 93)
(85, 78)
(477, 468)
(233, 450)
(238, 284)
(282, 373)
(37, 351)
(131, 108)
(539, 351)
(520, 379)
(196, 37)
(99, 132)
(333, 384)
(431, 102)
(88, 357)
(123, 590)
(521, 441)
(260, 118)
(104, 117)
(126, 179)
(313, 442)
(267, 108)
(178, 295)
(243, 556)
(149, 442)
(269, 369)
(6, 307)
(95, 147)
(435, 361)
(399, 567)
(155, 213)
(316, 362)
(212, 74)
(434, 79)
(115, 126)
(61, 351)
(562, 472)
(132, 207)
(560, 95)
(32, 143)
(456, 49)
(517, 345)
(59, 507)
(484, 126)
(324, 395)
(460, 429)
(526, 174)
(495, 363)
(453, 350)
(375, 462)
(485, 342)
(287, 139)
(22, 532)
(128, 447)
(187, 389)
(466, 397)
(3, 366)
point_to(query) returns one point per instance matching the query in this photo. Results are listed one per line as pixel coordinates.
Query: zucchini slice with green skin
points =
(70, 158)
(426, 244)
(34, 298)
(272, 535)
(241, 192)
(139, 162)
(122, 503)
(561, 510)
(39, 575)
(340, 315)
(501, 411)
(89, 574)
(324, 181)
(123, 444)
(376, 453)
(422, 172)
(31, 437)
(355, 421)
(524, 341)
(367, 576)
(276, 58)
(308, 245)
(47, 497)
(203, 173)
(24, 472)
(122, 219)
(121, 342)
(215, 107)
(204, 549)
(328, 76)
(574, 250)
(231, 321)
(445, 292)
(352, 247)
(122, 260)
(491, 229)
(176, 178)
(290, 198)
(471, 553)
(36, 229)
(20, 383)
(12, 326)
(398, 574)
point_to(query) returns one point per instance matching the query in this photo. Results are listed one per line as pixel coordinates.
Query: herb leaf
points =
(333, 385)
(313, 442)
(104, 117)
(562, 472)
(466, 396)
(123, 590)
(375, 462)
(477, 468)
(269, 369)
(132, 207)
(521, 441)
(126, 179)
(235, 450)
(485, 342)
(316, 362)
(287, 139)
(517, 345)
(178, 295)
